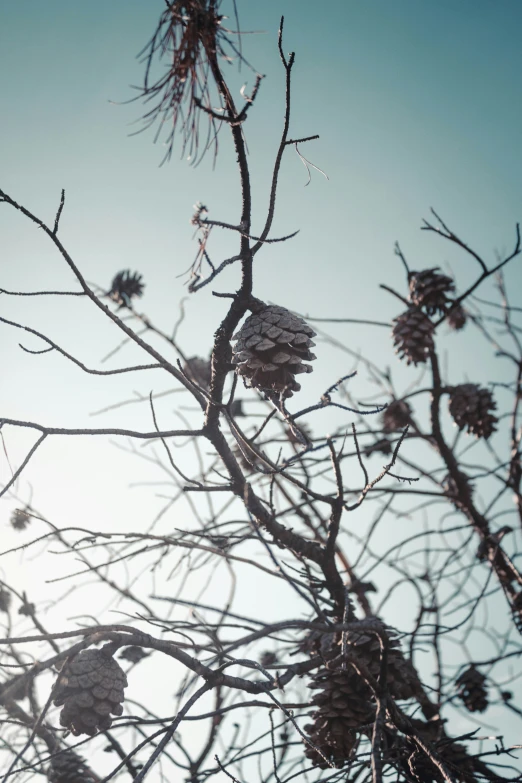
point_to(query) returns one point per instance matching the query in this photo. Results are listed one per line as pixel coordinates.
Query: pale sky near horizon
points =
(418, 104)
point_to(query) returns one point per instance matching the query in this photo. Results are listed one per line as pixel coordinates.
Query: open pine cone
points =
(396, 416)
(271, 348)
(68, 767)
(91, 688)
(413, 336)
(471, 686)
(470, 407)
(429, 289)
(124, 286)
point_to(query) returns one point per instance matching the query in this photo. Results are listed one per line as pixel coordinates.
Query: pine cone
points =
(268, 658)
(134, 654)
(68, 767)
(271, 348)
(470, 407)
(5, 600)
(91, 688)
(396, 416)
(451, 488)
(382, 446)
(429, 289)
(199, 370)
(471, 686)
(20, 519)
(124, 286)
(457, 318)
(413, 336)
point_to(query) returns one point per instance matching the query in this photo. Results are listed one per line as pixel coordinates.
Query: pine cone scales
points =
(472, 690)
(271, 348)
(90, 687)
(413, 336)
(68, 767)
(429, 289)
(470, 407)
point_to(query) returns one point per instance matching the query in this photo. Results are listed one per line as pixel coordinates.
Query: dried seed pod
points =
(471, 686)
(91, 688)
(396, 416)
(124, 286)
(271, 349)
(429, 290)
(68, 767)
(413, 336)
(470, 407)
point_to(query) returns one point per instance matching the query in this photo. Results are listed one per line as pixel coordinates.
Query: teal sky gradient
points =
(418, 104)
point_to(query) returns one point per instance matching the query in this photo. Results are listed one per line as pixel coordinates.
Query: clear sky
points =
(418, 103)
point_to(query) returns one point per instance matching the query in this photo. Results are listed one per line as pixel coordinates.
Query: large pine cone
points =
(472, 690)
(396, 416)
(272, 346)
(429, 289)
(413, 336)
(68, 767)
(91, 688)
(470, 407)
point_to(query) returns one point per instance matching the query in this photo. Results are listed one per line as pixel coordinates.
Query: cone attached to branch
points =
(20, 519)
(471, 685)
(470, 407)
(125, 286)
(90, 687)
(396, 416)
(429, 289)
(68, 767)
(199, 370)
(271, 349)
(413, 336)
(457, 318)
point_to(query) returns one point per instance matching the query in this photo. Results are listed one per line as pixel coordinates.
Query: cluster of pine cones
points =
(413, 329)
(343, 700)
(91, 688)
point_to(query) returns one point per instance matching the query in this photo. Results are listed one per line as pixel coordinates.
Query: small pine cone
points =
(429, 289)
(413, 336)
(91, 688)
(124, 286)
(455, 492)
(382, 446)
(516, 608)
(396, 416)
(5, 600)
(68, 767)
(198, 370)
(268, 658)
(134, 654)
(471, 685)
(470, 407)
(271, 348)
(20, 519)
(457, 318)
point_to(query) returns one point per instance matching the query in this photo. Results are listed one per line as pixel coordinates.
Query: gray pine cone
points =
(90, 687)
(413, 336)
(470, 407)
(271, 348)
(457, 318)
(68, 767)
(396, 416)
